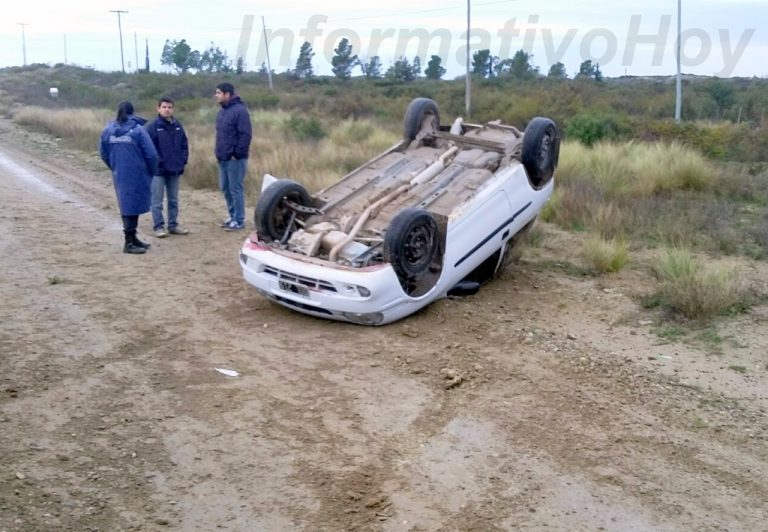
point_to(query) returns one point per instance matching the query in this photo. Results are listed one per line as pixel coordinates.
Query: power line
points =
(120, 29)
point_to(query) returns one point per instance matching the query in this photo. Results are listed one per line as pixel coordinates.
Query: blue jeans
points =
(231, 177)
(161, 184)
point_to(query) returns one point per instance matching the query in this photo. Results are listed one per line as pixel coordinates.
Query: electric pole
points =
(136, 50)
(23, 41)
(269, 65)
(120, 29)
(65, 48)
(679, 81)
(468, 89)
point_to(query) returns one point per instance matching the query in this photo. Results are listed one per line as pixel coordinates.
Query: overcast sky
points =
(720, 37)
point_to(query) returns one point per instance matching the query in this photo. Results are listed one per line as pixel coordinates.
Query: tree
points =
(214, 59)
(179, 55)
(588, 70)
(303, 68)
(239, 66)
(401, 70)
(416, 67)
(557, 71)
(518, 67)
(371, 69)
(482, 63)
(434, 70)
(343, 62)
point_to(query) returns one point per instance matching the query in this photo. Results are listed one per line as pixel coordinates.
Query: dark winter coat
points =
(233, 130)
(128, 151)
(170, 140)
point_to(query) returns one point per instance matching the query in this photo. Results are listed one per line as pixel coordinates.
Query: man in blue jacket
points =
(125, 147)
(169, 138)
(233, 138)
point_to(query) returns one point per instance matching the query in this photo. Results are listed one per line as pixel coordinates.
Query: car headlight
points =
(367, 318)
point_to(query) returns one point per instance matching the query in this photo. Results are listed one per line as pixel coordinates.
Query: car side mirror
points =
(464, 288)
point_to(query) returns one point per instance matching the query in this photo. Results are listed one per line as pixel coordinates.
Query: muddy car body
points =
(438, 213)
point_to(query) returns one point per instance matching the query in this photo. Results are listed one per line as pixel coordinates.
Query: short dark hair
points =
(226, 87)
(164, 99)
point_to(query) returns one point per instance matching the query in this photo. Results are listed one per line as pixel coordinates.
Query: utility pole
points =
(23, 41)
(120, 29)
(468, 89)
(65, 48)
(136, 50)
(679, 81)
(266, 42)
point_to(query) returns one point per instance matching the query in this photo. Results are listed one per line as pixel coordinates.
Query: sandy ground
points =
(544, 402)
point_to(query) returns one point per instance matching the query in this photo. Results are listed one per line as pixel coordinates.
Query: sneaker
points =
(234, 226)
(177, 230)
(225, 223)
(160, 232)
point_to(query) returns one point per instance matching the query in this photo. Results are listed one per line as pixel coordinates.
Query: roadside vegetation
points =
(629, 178)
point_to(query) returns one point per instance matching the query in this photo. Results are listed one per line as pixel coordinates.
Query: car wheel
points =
(274, 218)
(411, 242)
(419, 110)
(541, 150)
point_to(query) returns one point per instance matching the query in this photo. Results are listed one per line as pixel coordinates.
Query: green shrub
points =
(697, 292)
(306, 128)
(589, 128)
(605, 256)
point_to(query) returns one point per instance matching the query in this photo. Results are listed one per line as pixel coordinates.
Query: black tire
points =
(541, 150)
(411, 243)
(273, 218)
(418, 109)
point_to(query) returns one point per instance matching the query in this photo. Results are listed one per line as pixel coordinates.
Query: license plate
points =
(295, 289)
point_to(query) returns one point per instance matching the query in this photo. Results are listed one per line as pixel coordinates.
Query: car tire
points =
(272, 216)
(411, 243)
(541, 150)
(417, 111)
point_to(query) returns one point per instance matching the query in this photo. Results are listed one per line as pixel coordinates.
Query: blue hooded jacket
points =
(172, 146)
(128, 151)
(233, 130)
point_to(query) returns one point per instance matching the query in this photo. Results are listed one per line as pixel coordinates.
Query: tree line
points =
(183, 59)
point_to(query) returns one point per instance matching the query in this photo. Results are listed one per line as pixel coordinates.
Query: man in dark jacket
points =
(169, 138)
(233, 138)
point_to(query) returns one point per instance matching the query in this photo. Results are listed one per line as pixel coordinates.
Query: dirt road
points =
(544, 402)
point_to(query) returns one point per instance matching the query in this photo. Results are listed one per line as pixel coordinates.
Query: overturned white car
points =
(435, 215)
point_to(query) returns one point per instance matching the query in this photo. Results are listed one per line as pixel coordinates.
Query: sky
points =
(722, 38)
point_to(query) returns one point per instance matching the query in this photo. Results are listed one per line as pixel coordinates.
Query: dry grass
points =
(636, 169)
(274, 149)
(605, 255)
(79, 128)
(696, 291)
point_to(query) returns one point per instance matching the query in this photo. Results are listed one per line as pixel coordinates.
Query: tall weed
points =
(695, 291)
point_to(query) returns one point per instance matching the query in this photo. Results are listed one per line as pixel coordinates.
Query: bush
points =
(695, 292)
(605, 256)
(589, 128)
(306, 128)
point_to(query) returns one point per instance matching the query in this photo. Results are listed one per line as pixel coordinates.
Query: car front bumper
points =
(367, 296)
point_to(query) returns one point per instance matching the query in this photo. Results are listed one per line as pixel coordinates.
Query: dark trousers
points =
(130, 224)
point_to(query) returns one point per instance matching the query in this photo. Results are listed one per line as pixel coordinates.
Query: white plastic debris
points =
(228, 372)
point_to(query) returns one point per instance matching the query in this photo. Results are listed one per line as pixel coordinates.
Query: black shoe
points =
(141, 244)
(134, 249)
